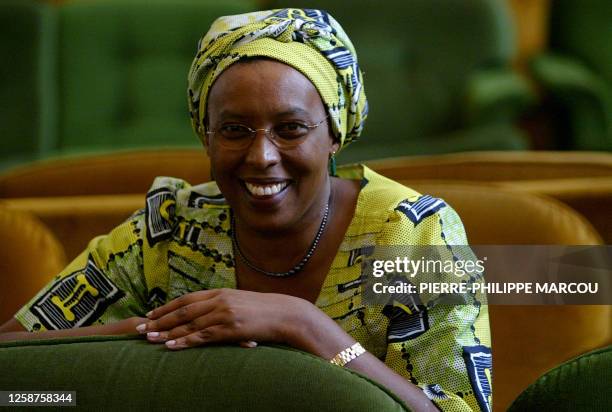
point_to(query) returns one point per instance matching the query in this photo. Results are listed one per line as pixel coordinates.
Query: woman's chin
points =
(265, 223)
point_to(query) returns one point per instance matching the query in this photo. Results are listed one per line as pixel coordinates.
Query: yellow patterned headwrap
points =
(311, 41)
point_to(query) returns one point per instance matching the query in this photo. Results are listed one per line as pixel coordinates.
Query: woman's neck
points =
(306, 284)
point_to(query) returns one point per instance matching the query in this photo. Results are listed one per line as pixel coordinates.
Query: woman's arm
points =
(13, 330)
(320, 335)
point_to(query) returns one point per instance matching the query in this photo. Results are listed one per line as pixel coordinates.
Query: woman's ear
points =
(205, 136)
(204, 139)
(331, 164)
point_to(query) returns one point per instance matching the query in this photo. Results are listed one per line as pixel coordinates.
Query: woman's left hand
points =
(224, 315)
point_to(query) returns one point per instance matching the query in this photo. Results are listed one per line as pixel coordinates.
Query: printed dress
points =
(179, 243)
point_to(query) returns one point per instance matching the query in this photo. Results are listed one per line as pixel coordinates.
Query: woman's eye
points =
(234, 131)
(291, 130)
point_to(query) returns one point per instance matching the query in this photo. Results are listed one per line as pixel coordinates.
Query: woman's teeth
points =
(265, 190)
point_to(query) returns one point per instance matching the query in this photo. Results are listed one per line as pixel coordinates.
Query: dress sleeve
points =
(104, 284)
(442, 348)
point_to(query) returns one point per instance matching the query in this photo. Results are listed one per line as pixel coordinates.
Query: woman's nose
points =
(262, 153)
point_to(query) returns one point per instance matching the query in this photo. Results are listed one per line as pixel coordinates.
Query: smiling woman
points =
(271, 251)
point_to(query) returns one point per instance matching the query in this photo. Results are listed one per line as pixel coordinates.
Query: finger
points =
(181, 301)
(182, 315)
(157, 337)
(213, 334)
(209, 319)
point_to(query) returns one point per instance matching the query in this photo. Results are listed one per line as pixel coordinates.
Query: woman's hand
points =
(225, 315)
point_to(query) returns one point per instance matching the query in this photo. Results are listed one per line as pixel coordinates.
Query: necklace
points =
(294, 270)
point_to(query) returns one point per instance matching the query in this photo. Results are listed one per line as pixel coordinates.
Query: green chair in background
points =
(123, 70)
(576, 73)
(101, 75)
(98, 75)
(26, 80)
(437, 75)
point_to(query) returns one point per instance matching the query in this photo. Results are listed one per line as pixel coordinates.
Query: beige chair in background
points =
(527, 340)
(30, 256)
(582, 180)
(497, 166)
(75, 220)
(104, 174)
(77, 197)
(591, 196)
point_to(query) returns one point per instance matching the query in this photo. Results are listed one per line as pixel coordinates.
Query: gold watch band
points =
(348, 354)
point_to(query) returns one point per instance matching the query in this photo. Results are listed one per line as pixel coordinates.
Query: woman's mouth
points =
(265, 189)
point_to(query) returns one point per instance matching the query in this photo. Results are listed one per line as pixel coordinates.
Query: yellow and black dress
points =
(179, 243)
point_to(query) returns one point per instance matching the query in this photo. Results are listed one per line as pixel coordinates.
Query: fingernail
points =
(149, 313)
(153, 335)
(171, 343)
(251, 344)
(141, 328)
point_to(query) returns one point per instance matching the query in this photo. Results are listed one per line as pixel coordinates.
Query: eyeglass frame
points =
(269, 133)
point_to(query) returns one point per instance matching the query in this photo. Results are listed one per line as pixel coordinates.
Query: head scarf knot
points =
(310, 41)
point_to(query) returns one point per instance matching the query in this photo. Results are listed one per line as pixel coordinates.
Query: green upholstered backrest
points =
(26, 90)
(417, 57)
(119, 373)
(581, 384)
(584, 29)
(123, 70)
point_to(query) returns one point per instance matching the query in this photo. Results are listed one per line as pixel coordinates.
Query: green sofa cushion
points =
(127, 373)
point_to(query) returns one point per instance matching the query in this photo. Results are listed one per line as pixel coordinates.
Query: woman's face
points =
(262, 94)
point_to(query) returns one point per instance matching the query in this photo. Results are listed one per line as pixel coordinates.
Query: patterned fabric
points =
(310, 41)
(179, 243)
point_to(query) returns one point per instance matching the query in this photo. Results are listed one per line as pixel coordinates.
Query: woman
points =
(270, 252)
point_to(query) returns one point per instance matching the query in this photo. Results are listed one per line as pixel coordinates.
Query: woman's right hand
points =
(225, 315)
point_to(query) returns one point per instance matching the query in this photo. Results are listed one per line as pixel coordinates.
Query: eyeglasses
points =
(284, 135)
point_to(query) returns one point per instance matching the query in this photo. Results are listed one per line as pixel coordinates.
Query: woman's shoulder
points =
(170, 201)
(386, 192)
(378, 193)
(405, 215)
